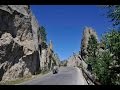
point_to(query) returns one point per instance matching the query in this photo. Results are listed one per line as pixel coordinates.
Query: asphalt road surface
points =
(65, 76)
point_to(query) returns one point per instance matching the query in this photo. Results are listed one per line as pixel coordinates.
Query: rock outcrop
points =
(44, 62)
(84, 43)
(48, 58)
(51, 57)
(74, 61)
(19, 55)
(63, 63)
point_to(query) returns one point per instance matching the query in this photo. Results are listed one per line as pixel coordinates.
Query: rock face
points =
(43, 59)
(84, 43)
(63, 63)
(52, 59)
(74, 60)
(48, 58)
(19, 55)
(49, 55)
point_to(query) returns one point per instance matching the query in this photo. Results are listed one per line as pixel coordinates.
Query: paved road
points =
(65, 76)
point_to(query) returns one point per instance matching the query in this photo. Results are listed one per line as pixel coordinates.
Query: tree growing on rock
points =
(42, 34)
(42, 37)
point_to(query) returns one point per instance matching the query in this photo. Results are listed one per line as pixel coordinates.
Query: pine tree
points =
(92, 50)
(42, 37)
(43, 34)
(114, 13)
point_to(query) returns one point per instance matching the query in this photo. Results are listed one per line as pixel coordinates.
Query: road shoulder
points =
(81, 79)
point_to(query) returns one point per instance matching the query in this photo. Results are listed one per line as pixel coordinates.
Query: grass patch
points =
(17, 81)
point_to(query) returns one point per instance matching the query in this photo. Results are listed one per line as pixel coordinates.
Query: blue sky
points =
(65, 23)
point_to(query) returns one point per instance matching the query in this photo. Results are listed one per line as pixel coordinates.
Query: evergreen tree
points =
(42, 37)
(92, 50)
(43, 34)
(92, 46)
(114, 13)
